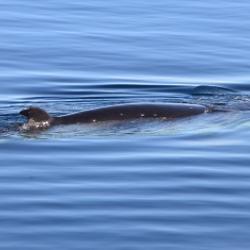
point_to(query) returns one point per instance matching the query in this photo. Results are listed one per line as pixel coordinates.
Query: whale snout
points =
(37, 119)
(24, 112)
(36, 114)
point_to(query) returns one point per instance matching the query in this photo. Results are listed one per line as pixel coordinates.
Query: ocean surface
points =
(134, 185)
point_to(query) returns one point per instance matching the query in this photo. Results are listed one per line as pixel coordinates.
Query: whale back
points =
(40, 119)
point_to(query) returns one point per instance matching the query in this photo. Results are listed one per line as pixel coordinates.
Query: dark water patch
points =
(212, 90)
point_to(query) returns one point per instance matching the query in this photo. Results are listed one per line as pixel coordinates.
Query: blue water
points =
(179, 184)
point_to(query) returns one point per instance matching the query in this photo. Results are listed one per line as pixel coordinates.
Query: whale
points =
(40, 119)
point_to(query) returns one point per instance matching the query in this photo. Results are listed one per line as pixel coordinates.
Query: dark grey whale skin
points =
(117, 112)
(132, 111)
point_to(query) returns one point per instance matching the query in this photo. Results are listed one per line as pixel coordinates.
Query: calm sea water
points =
(180, 184)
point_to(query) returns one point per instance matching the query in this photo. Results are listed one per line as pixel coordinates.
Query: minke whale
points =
(40, 119)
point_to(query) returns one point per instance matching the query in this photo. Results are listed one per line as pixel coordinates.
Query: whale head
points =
(37, 118)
